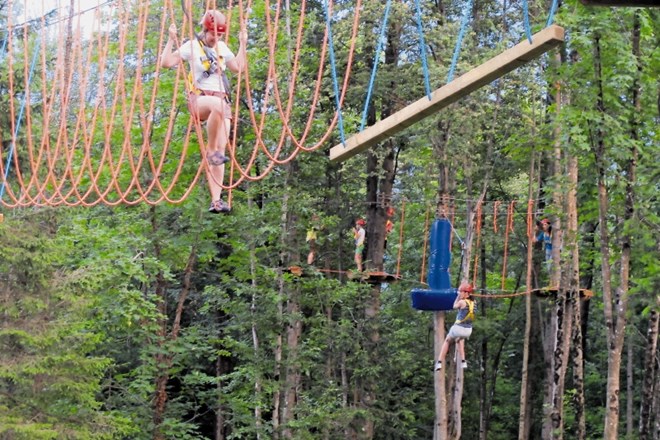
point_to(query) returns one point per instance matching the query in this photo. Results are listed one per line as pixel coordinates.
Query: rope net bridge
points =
(91, 117)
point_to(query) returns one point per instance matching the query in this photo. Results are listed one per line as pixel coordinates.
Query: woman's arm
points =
(239, 63)
(170, 58)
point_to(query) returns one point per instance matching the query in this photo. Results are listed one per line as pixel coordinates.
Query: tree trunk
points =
(440, 426)
(649, 390)
(630, 390)
(612, 323)
(563, 313)
(255, 335)
(524, 416)
(485, 400)
(378, 199)
(573, 269)
(294, 326)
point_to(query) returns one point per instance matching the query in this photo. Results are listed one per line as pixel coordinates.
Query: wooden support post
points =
(492, 69)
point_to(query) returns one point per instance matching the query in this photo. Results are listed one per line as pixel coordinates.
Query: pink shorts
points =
(192, 100)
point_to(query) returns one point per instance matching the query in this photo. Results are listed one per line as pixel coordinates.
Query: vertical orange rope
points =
(426, 244)
(475, 269)
(398, 258)
(496, 207)
(530, 240)
(509, 228)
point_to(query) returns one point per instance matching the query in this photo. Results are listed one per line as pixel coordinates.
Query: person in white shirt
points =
(359, 235)
(208, 89)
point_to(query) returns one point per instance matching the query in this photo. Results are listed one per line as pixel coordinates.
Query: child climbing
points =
(544, 236)
(359, 234)
(462, 328)
(389, 225)
(312, 236)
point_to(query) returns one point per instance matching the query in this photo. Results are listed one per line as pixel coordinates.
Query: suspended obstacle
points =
(441, 295)
(485, 73)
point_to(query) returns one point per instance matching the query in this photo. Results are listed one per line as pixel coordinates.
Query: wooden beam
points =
(492, 69)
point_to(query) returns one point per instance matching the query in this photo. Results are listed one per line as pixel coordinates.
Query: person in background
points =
(389, 224)
(312, 236)
(359, 235)
(544, 235)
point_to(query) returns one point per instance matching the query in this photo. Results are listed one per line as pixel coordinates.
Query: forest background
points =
(165, 322)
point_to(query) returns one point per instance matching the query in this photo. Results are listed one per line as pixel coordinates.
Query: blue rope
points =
(334, 72)
(381, 39)
(459, 40)
(422, 47)
(4, 44)
(20, 118)
(526, 20)
(551, 16)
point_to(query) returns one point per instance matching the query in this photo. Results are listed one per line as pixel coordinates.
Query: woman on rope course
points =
(208, 92)
(462, 328)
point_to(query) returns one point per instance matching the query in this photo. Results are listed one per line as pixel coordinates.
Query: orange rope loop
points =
(478, 215)
(508, 229)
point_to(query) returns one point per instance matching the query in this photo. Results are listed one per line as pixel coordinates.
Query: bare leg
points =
(461, 349)
(218, 133)
(444, 349)
(214, 111)
(310, 256)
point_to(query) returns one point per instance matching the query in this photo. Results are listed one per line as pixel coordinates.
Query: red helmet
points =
(465, 287)
(214, 21)
(361, 222)
(390, 211)
(545, 221)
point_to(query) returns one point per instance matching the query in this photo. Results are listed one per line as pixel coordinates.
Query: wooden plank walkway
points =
(485, 73)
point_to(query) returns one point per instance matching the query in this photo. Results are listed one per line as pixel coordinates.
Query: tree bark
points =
(649, 385)
(524, 416)
(294, 326)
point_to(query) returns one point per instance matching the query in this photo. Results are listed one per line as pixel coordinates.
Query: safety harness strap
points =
(470, 314)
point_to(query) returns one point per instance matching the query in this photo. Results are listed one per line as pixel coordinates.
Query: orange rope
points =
(496, 207)
(476, 252)
(103, 152)
(398, 257)
(509, 228)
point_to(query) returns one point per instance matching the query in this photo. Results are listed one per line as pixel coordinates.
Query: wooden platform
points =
(547, 292)
(301, 271)
(487, 72)
(372, 277)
